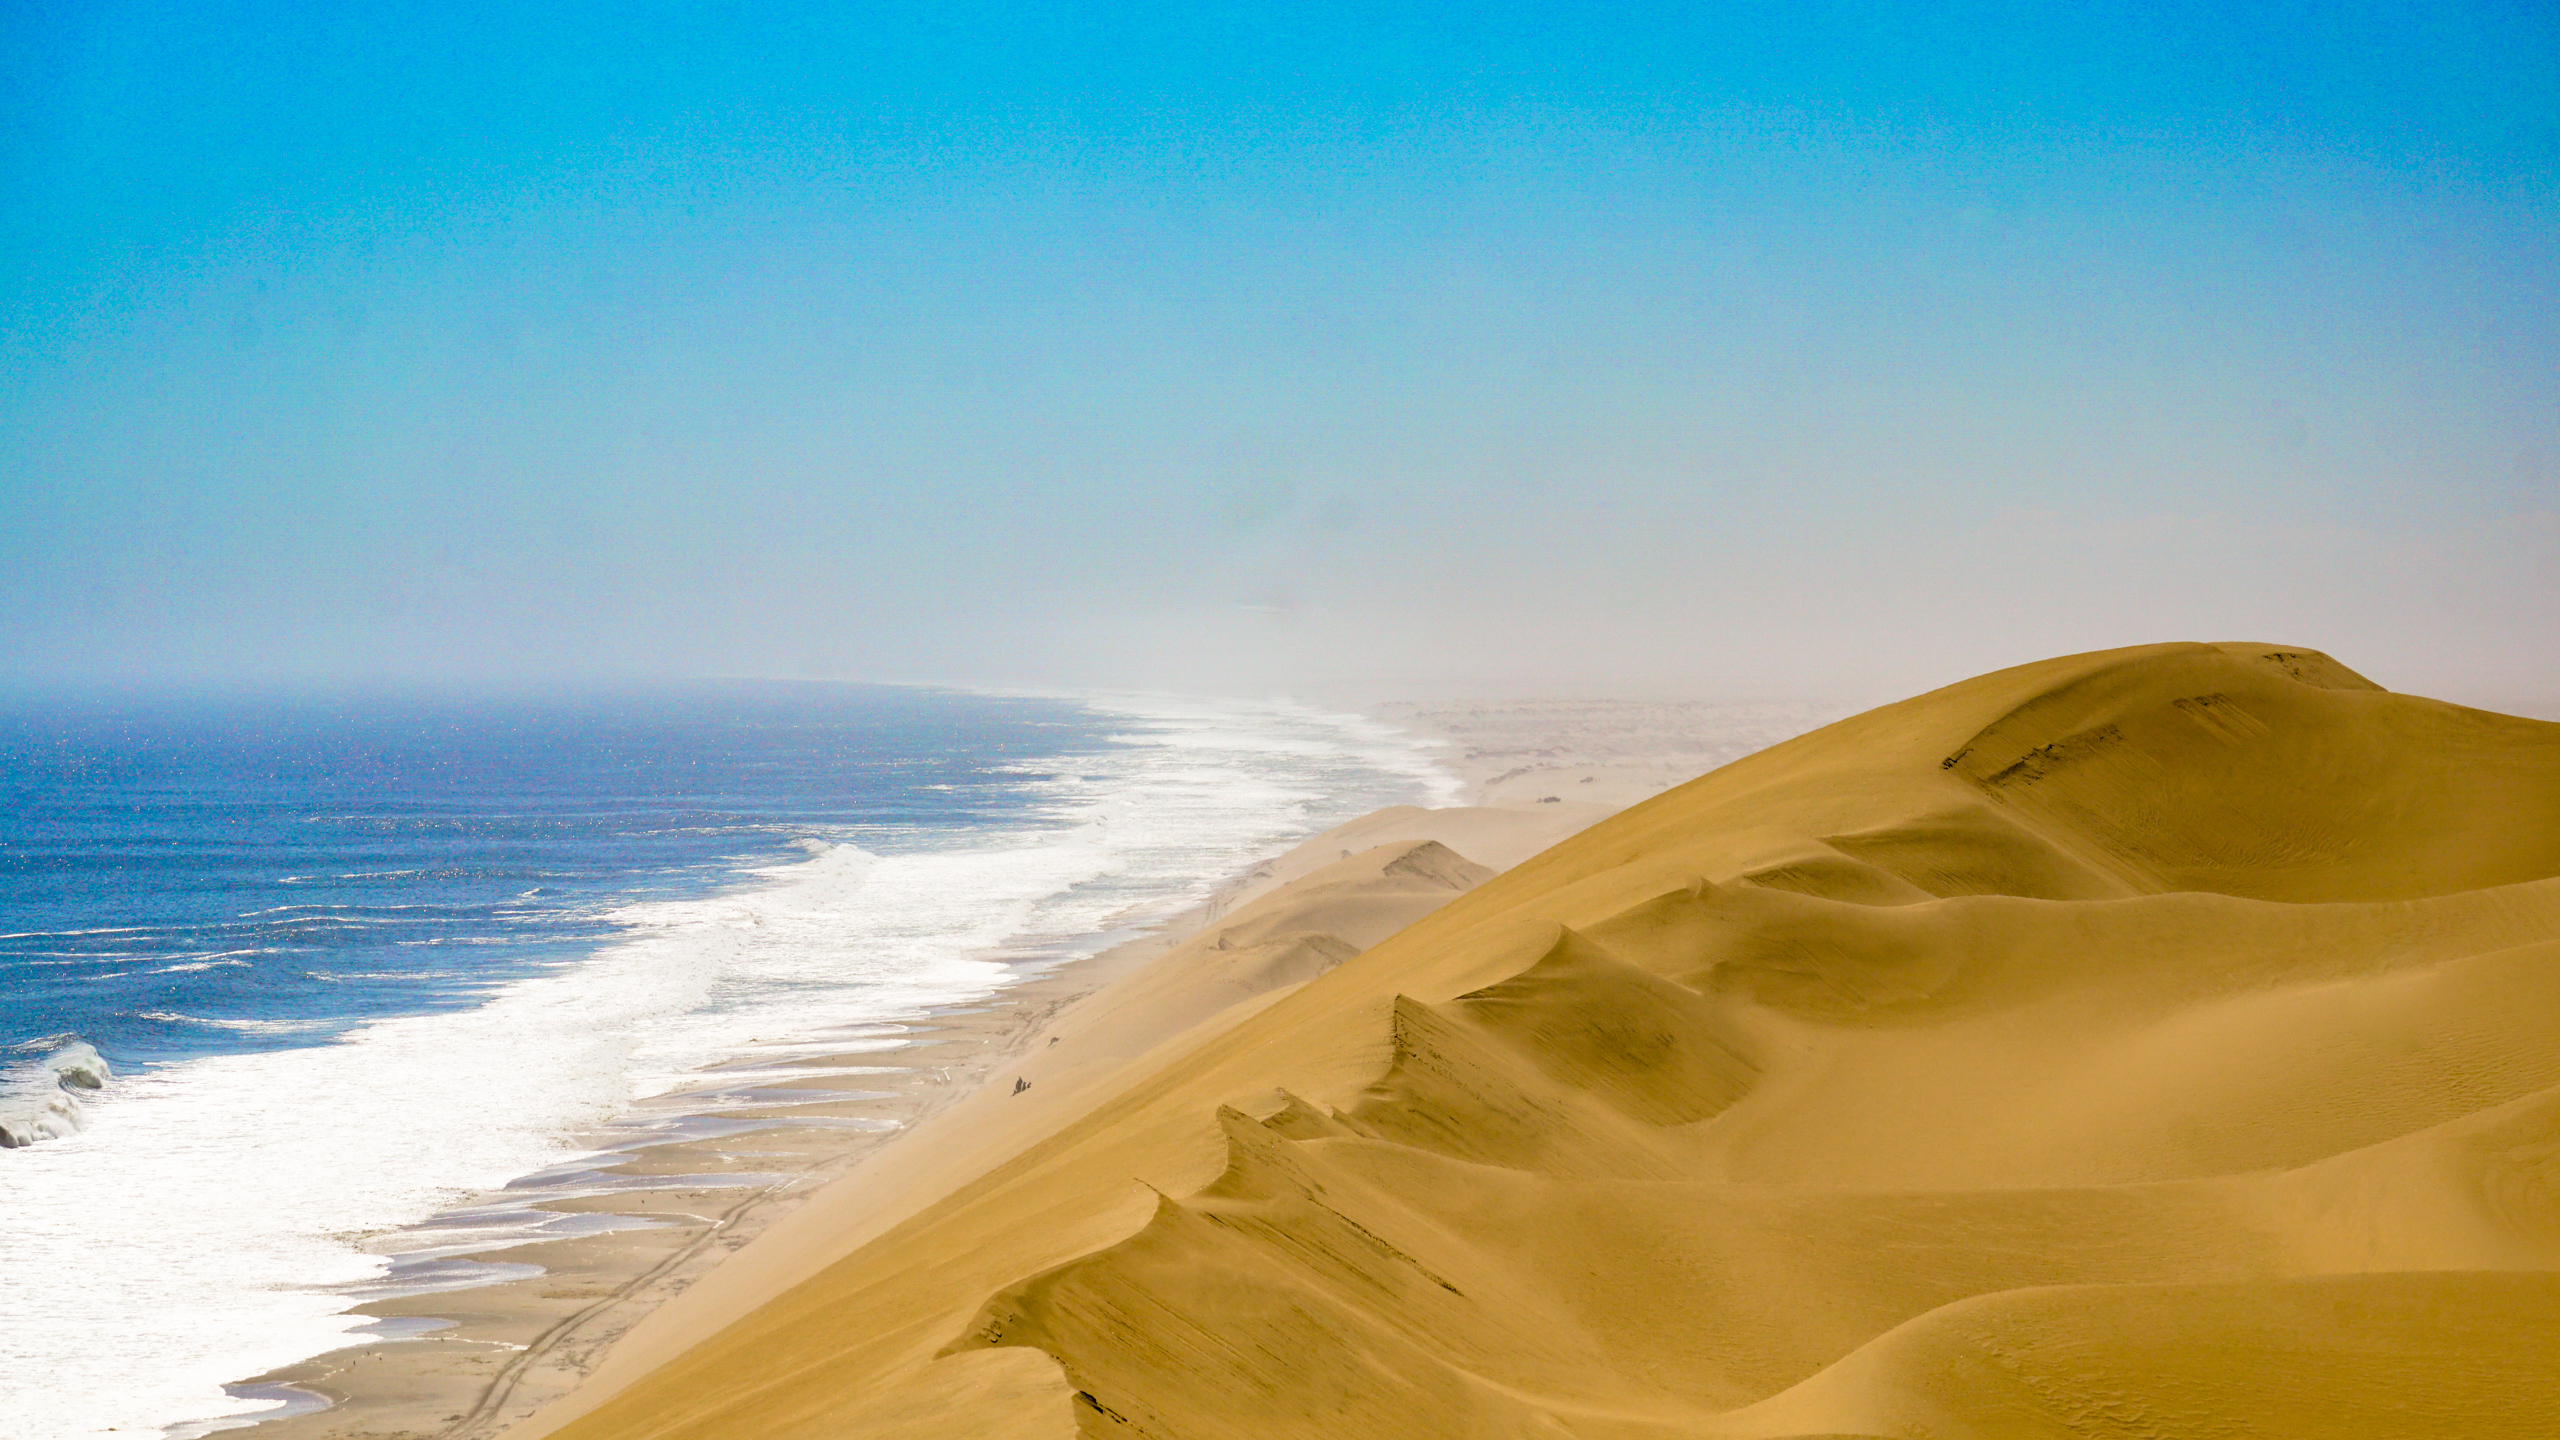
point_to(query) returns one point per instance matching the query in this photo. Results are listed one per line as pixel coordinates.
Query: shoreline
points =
(489, 1356)
(498, 1351)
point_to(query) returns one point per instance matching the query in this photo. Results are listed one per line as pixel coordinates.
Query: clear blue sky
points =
(1726, 347)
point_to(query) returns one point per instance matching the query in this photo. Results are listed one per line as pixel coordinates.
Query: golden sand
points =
(2162, 1042)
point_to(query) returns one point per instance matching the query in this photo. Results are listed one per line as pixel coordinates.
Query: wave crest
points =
(42, 1102)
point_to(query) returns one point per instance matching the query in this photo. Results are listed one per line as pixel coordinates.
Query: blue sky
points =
(1726, 348)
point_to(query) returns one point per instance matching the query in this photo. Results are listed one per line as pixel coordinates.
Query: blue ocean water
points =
(354, 961)
(190, 878)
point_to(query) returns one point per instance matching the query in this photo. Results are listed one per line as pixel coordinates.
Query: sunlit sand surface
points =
(2160, 1042)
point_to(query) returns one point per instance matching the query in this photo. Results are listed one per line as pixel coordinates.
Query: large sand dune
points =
(2163, 1042)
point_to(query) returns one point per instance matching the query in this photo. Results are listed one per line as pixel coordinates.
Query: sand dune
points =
(2162, 1042)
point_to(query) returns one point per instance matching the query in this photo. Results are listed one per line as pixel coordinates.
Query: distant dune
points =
(2156, 1043)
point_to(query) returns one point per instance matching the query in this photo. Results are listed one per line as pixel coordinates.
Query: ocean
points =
(279, 974)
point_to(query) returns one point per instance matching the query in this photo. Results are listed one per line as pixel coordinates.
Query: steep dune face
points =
(2162, 1042)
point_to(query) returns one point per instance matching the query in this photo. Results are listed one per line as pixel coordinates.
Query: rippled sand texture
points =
(2162, 1042)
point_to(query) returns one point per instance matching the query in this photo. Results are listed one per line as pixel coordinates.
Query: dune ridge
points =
(2155, 1042)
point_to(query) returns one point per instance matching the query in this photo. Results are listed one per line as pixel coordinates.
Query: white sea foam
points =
(242, 1027)
(43, 1101)
(195, 1233)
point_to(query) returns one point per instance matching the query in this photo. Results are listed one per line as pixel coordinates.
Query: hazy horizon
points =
(1744, 351)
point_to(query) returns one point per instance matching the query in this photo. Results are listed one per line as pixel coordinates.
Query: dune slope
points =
(2156, 1042)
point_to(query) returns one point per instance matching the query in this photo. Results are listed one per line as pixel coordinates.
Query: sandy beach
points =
(851, 1127)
